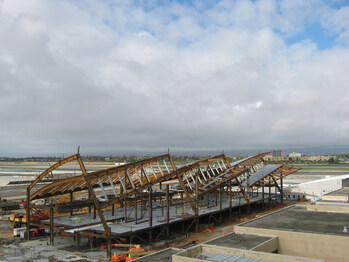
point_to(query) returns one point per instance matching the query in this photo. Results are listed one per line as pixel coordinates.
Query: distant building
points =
(304, 158)
(316, 158)
(277, 153)
(314, 190)
(294, 155)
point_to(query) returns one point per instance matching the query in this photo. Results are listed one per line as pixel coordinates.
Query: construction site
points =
(212, 209)
(145, 202)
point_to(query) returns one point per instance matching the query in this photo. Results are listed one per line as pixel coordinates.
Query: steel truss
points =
(135, 180)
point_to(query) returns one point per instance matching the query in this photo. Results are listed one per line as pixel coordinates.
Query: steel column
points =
(230, 201)
(52, 242)
(28, 213)
(71, 201)
(150, 204)
(167, 203)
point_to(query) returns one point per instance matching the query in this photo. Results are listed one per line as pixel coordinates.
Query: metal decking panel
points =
(232, 164)
(260, 174)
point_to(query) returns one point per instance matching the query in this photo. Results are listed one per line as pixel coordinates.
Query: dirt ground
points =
(5, 229)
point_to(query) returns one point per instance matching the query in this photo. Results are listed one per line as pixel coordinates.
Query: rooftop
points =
(241, 241)
(226, 258)
(340, 192)
(298, 219)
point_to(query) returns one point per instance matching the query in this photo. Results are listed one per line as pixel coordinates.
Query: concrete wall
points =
(340, 209)
(268, 246)
(188, 255)
(334, 198)
(320, 246)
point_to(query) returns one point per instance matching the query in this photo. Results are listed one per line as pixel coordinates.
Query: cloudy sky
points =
(141, 76)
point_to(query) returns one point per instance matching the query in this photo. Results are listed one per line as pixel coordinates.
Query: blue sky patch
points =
(323, 38)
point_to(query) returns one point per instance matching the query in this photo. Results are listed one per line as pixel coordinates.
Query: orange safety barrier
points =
(118, 258)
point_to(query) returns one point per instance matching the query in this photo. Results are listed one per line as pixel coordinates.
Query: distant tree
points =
(331, 160)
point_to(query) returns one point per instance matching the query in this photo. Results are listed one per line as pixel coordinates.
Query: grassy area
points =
(325, 169)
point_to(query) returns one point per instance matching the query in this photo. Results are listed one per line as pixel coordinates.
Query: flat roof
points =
(298, 219)
(240, 241)
(340, 192)
(163, 255)
(226, 258)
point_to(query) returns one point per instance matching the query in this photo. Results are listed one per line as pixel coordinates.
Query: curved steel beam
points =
(51, 168)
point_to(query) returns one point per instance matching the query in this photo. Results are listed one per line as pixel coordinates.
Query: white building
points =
(314, 190)
(294, 155)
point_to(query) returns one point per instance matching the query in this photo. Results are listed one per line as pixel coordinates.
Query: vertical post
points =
(113, 209)
(249, 202)
(121, 192)
(197, 202)
(282, 191)
(94, 212)
(239, 205)
(230, 201)
(136, 215)
(28, 213)
(89, 198)
(196, 192)
(220, 197)
(141, 205)
(51, 226)
(71, 201)
(125, 210)
(167, 203)
(77, 240)
(263, 198)
(220, 203)
(216, 197)
(150, 206)
(269, 191)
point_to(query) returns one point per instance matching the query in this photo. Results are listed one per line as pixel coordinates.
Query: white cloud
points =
(119, 76)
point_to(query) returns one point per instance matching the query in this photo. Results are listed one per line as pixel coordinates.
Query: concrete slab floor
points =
(177, 213)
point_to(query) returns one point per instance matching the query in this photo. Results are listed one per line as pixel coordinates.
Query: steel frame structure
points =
(196, 180)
